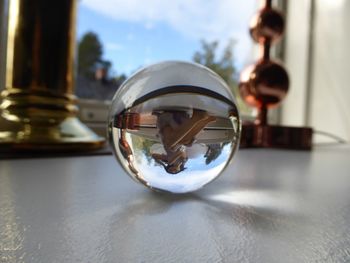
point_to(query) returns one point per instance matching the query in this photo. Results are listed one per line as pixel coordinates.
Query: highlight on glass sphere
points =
(174, 126)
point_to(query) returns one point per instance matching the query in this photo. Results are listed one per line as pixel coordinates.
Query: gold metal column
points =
(38, 110)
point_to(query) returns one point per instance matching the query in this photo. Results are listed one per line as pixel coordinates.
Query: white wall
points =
(328, 106)
(330, 95)
(296, 62)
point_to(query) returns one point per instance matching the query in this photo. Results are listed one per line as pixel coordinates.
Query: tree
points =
(96, 78)
(213, 152)
(223, 66)
(90, 52)
(119, 79)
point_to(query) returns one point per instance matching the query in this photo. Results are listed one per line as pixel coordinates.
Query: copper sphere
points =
(267, 25)
(264, 84)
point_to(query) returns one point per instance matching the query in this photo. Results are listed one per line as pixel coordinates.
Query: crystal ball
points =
(174, 126)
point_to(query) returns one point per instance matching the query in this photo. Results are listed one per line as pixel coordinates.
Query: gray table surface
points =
(269, 206)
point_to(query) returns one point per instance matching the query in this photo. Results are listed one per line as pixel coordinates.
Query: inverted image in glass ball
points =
(174, 126)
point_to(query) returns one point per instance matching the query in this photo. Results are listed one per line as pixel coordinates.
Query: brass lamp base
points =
(38, 109)
(273, 136)
(68, 135)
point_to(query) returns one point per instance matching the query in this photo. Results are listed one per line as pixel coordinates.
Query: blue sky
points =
(135, 33)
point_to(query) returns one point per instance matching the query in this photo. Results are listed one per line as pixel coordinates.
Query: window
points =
(117, 37)
(317, 58)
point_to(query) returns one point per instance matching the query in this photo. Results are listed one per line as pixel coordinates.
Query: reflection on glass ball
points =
(174, 126)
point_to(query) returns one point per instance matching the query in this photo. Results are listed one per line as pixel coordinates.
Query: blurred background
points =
(127, 35)
(115, 38)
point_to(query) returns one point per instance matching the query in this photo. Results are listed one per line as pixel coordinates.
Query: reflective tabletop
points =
(268, 206)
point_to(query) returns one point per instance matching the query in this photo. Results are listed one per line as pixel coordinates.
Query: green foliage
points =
(213, 152)
(90, 53)
(223, 66)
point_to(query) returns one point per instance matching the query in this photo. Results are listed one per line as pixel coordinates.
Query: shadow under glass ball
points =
(264, 84)
(267, 25)
(174, 126)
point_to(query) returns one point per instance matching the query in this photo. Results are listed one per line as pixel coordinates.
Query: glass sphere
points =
(174, 126)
